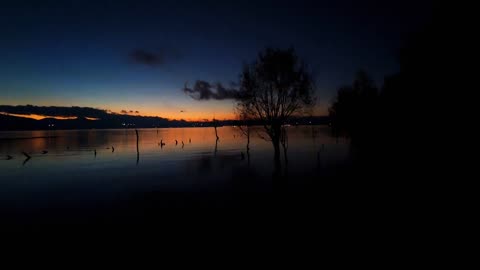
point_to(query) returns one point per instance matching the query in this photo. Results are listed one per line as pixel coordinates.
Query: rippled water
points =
(70, 170)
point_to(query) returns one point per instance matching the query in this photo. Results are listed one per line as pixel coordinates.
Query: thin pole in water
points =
(138, 153)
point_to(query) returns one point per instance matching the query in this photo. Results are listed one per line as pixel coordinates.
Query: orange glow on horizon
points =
(202, 117)
(204, 113)
(193, 117)
(40, 117)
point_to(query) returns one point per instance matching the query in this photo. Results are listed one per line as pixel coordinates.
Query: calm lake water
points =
(70, 172)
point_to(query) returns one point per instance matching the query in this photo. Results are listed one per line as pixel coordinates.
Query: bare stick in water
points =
(25, 161)
(26, 155)
(215, 126)
(138, 153)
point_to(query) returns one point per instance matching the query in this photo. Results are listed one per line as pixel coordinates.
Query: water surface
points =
(70, 172)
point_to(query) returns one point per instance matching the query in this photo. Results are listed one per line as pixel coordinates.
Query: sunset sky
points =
(138, 55)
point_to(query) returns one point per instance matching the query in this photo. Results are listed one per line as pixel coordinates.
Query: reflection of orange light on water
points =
(92, 118)
(40, 117)
(194, 139)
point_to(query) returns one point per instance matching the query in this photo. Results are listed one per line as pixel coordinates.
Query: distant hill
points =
(83, 114)
(105, 119)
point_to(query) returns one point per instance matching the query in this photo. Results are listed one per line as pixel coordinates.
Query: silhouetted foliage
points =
(394, 129)
(355, 108)
(412, 96)
(273, 88)
(408, 99)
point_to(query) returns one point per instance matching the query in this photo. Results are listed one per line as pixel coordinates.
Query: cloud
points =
(137, 112)
(148, 58)
(203, 90)
(123, 111)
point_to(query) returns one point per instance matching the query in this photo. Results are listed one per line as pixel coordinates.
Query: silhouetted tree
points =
(355, 108)
(402, 121)
(273, 88)
(245, 119)
(412, 96)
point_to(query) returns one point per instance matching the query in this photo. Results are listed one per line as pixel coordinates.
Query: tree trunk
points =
(248, 139)
(284, 142)
(278, 181)
(276, 142)
(276, 148)
(285, 154)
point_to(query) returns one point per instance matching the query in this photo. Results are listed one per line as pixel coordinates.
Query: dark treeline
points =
(403, 107)
(393, 127)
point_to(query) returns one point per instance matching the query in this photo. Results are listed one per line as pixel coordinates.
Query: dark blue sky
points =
(79, 52)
